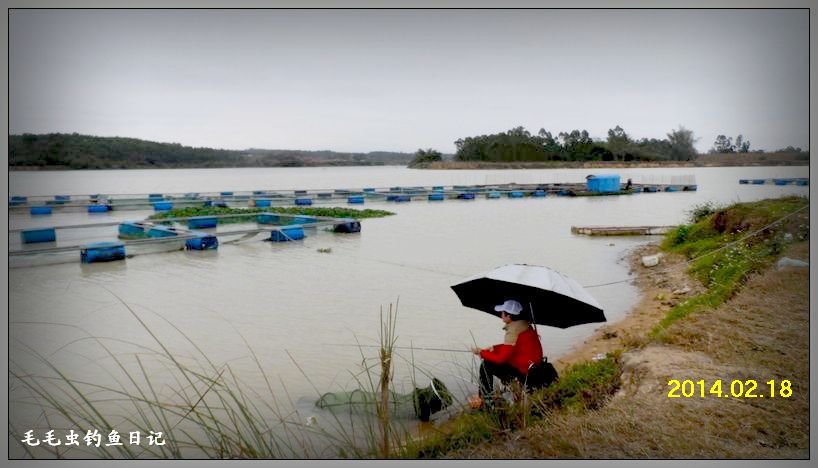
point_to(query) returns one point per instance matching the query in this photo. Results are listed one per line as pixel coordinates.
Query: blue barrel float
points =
(538, 193)
(162, 206)
(287, 234)
(99, 208)
(267, 218)
(31, 236)
(357, 199)
(303, 201)
(40, 210)
(202, 241)
(131, 229)
(515, 194)
(202, 222)
(17, 200)
(102, 252)
(436, 196)
(262, 202)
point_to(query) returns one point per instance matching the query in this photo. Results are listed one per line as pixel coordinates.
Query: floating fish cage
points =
(515, 194)
(758, 181)
(348, 227)
(131, 229)
(162, 231)
(538, 193)
(649, 189)
(355, 200)
(267, 218)
(102, 252)
(17, 200)
(403, 198)
(99, 208)
(287, 234)
(262, 202)
(466, 196)
(226, 194)
(493, 194)
(40, 210)
(303, 201)
(300, 192)
(324, 195)
(202, 241)
(303, 220)
(31, 236)
(436, 197)
(671, 188)
(690, 188)
(202, 222)
(369, 190)
(744, 181)
(802, 182)
(163, 206)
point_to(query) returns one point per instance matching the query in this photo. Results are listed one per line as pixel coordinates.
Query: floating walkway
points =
(802, 181)
(621, 230)
(282, 228)
(101, 204)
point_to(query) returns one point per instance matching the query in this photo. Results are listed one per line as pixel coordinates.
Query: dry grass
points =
(762, 333)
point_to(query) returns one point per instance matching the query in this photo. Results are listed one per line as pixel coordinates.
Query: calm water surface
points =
(293, 305)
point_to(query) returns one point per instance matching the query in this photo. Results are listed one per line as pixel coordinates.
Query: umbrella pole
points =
(531, 311)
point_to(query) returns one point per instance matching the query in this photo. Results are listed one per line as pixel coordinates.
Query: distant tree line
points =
(75, 151)
(518, 144)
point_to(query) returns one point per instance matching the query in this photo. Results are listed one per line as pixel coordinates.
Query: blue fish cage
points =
(744, 181)
(300, 192)
(436, 197)
(403, 198)
(202, 222)
(102, 252)
(267, 218)
(538, 193)
(493, 194)
(465, 196)
(262, 202)
(202, 241)
(782, 181)
(758, 181)
(162, 231)
(802, 182)
(99, 208)
(163, 206)
(31, 236)
(350, 226)
(17, 200)
(131, 229)
(303, 201)
(649, 189)
(226, 194)
(671, 188)
(40, 210)
(287, 234)
(324, 194)
(515, 194)
(355, 200)
(438, 187)
(303, 220)
(604, 183)
(369, 190)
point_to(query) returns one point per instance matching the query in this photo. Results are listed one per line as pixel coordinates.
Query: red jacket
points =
(521, 355)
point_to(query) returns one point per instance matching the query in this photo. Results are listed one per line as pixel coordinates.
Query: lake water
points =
(300, 310)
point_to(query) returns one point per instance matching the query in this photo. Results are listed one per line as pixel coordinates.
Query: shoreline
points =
(655, 298)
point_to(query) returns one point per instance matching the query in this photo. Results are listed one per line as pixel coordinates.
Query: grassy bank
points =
(750, 324)
(332, 212)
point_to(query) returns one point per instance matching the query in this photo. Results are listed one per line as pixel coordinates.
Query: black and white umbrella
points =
(547, 296)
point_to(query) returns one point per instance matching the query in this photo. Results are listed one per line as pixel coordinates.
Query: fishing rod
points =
(415, 348)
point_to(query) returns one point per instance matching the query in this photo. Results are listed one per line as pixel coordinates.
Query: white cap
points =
(511, 307)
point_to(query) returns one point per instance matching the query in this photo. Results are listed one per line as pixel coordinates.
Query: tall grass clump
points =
(726, 245)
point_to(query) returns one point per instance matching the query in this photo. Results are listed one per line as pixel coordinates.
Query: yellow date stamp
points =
(729, 389)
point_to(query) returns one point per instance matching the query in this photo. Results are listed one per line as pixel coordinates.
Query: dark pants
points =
(504, 372)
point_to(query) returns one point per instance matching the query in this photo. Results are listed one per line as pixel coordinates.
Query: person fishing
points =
(511, 359)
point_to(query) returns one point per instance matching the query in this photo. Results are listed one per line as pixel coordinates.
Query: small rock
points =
(598, 357)
(785, 262)
(683, 290)
(650, 260)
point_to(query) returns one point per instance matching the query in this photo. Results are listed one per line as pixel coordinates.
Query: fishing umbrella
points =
(547, 296)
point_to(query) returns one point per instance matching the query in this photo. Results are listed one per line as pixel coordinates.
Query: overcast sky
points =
(367, 80)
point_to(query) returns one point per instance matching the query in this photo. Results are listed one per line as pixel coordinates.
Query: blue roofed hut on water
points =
(603, 183)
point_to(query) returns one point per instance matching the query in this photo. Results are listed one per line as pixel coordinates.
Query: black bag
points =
(541, 374)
